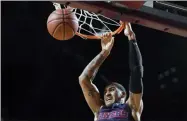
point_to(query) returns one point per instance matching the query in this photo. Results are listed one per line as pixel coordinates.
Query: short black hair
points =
(119, 86)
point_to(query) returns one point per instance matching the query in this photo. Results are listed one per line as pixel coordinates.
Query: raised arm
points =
(90, 91)
(136, 75)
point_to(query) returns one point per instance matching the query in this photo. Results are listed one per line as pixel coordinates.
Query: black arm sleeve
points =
(136, 68)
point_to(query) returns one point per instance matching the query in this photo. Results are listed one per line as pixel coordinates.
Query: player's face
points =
(111, 95)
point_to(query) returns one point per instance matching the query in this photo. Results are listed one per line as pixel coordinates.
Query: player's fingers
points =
(105, 34)
(110, 34)
(101, 36)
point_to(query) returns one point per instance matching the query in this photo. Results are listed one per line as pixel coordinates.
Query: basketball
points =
(62, 24)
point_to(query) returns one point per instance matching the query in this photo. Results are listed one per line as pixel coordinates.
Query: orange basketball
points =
(62, 24)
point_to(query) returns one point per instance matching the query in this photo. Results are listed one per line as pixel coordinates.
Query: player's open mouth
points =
(108, 99)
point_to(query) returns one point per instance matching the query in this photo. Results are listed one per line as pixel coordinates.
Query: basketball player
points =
(115, 106)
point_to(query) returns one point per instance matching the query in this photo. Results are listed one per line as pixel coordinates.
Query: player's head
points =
(113, 93)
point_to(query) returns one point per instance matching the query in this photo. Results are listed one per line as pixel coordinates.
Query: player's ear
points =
(123, 94)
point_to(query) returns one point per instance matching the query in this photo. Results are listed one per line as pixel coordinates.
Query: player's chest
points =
(112, 114)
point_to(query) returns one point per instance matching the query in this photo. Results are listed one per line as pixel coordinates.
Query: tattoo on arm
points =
(91, 92)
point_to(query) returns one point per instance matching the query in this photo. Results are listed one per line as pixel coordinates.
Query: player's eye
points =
(112, 89)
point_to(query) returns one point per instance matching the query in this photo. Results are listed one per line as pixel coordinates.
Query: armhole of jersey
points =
(97, 113)
(99, 110)
(130, 111)
(127, 105)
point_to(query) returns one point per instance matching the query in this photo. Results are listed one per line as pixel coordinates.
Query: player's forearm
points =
(135, 58)
(91, 69)
(136, 68)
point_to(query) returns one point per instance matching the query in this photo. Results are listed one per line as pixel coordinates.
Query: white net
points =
(94, 24)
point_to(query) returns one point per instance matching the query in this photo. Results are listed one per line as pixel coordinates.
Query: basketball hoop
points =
(92, 25)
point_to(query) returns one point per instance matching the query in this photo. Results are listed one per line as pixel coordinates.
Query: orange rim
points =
(117, 31)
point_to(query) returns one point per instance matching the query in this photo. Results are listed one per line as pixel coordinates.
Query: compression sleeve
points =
(136, 68)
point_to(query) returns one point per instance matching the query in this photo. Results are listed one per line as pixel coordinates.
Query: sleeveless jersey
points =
(116, 112)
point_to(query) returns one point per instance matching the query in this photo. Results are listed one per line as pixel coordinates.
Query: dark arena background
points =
(40, 74)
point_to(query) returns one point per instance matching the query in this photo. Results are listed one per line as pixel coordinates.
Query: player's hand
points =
(107, 42)
(129, 32)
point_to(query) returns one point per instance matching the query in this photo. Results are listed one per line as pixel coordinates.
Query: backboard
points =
(139, 12)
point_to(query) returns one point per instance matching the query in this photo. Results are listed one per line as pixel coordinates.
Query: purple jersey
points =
(116, 112)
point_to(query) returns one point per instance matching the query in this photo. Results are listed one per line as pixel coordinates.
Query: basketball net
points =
(91, 25)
